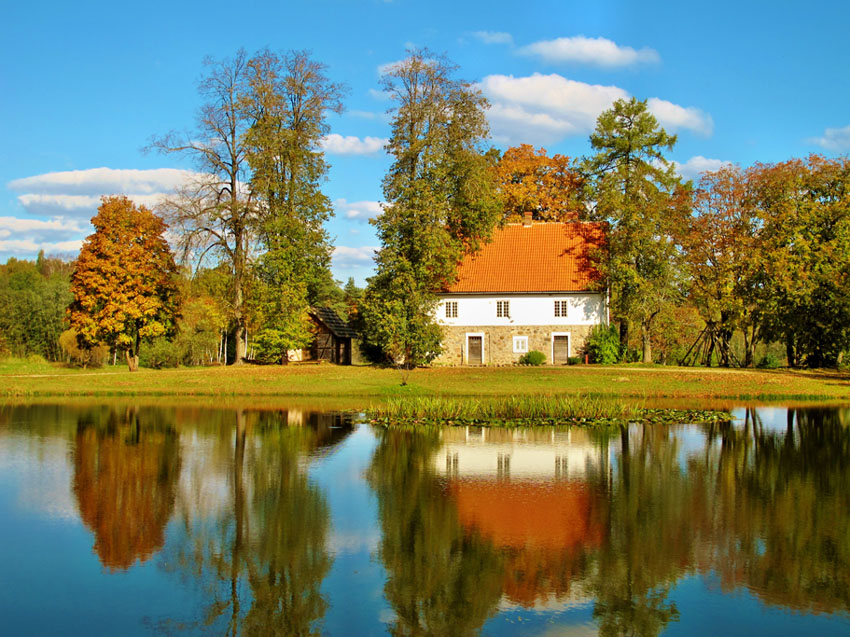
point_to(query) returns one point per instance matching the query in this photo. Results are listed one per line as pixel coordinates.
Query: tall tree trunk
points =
(646, 336)
(790, 350)
(239, 267)
(239, 333)
(132, 360)
(624, 337)
(749, 346)
(132, 354)
(646, 342)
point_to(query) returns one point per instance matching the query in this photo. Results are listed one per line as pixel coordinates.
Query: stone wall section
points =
(498, 342)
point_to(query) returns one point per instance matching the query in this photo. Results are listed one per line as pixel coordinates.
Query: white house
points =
(533, 287)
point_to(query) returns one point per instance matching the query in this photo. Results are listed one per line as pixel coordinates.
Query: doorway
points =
(560, 349)
(474, 349)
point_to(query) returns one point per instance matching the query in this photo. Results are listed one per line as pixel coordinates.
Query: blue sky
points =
(84, 86)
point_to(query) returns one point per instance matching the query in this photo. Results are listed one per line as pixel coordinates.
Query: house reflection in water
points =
(538, 496)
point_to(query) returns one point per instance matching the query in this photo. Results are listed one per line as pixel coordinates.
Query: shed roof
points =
(332, 321)
(541, 257)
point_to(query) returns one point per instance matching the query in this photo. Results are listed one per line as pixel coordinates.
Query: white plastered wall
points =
(526, 309)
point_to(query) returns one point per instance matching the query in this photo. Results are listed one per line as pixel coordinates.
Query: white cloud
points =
(358, 210)
(78, 192)
(352, 145)
(677, 117)
(695, 166)
(387, 67)
(583, 50)
(58, 225)
(493, 37)
(543, 109)
(835, 139)
(79, 205)
(104, 181)
(66, 199)
(381, 96)
(30, 247)
(348, 257)
(365, 114)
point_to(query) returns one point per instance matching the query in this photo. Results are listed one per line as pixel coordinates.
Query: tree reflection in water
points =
(125, 480)
(764, 509)
(441, 579)
(262, 559)
(781, 523)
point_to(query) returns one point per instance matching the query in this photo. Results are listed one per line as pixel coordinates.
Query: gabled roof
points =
(541, 257)
(332, 321)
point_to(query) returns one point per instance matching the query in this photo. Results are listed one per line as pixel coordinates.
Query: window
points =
(520, 344)
(451, 309)
(561, 308)
(503, 309)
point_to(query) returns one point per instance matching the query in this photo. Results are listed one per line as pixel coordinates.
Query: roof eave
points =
(518, 292)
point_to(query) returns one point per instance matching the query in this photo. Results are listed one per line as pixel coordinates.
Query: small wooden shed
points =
(334, 337)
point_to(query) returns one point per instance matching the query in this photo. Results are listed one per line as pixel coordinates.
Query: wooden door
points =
(475, 350)
(560, 349)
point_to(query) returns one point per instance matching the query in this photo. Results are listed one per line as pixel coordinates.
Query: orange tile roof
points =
(542, 257)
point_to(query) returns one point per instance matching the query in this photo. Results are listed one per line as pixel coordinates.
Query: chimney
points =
(526, 219)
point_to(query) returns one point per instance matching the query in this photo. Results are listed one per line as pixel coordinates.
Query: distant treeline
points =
(35, 295)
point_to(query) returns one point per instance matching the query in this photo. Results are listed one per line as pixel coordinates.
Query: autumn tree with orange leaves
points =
(547, 187)
(721, 251)
(124, 282)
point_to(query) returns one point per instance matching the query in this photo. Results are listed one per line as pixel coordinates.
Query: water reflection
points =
(615, 519)
(192, 520)
(125, 479)
(441, 579)
(261, 560)
(780, 522)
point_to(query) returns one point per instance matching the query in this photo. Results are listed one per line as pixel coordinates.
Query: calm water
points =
(135, 520)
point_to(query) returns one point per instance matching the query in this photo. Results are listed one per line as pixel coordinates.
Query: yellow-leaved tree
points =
(124, 283)
(550, 188)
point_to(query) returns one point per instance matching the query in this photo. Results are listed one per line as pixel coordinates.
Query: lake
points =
(133, 519)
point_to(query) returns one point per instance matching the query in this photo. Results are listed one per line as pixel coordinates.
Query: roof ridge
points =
(557, 257)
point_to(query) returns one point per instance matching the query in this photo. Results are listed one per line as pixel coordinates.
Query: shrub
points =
(161, 353)
(603, 345)
(573, 360)
(83, 356)
(768, 361)
(534, 357)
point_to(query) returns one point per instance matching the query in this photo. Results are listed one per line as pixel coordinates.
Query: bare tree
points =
(215, 214)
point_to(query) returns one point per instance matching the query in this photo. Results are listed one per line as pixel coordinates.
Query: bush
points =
(573, 360)
(534, 357)
(768, 361)
(603, 345)
(161, 353)
(83, 356)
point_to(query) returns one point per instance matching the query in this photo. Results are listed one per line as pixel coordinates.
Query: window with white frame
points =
(451, 309)
(520, 344)
(503, 309)
(561, 308)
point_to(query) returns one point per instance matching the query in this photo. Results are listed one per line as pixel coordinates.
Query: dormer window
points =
(451, 309)
(503, 309)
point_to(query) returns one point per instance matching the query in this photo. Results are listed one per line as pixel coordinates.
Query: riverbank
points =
(365, 384)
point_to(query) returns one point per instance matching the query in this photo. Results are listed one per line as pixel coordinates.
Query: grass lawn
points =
(361, 385)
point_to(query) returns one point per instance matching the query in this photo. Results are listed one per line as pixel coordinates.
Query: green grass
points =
(529, 410)
(361, 386)
(502, 408)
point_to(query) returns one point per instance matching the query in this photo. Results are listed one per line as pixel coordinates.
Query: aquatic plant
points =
(530, 409)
